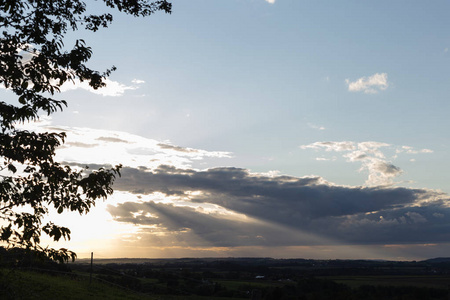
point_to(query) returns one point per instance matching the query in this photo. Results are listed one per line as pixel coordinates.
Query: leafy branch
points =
(34, 64)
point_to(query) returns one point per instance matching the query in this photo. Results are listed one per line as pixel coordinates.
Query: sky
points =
(269, 128)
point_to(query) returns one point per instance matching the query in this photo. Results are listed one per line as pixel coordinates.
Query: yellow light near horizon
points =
(95, 231)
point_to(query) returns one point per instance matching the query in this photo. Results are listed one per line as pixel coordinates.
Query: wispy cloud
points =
(317, 127)
(103, 147)
(137, 81)
(270, 1)
(325, 158)
(330, 146)
(411, 150)
(112, 88)
(369, 85)
(373, 160)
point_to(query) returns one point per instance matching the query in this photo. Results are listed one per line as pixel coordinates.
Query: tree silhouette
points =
(34, 64)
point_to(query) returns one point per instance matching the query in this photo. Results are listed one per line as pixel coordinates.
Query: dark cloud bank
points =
(281, 211)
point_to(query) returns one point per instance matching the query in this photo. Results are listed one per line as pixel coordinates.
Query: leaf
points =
(22, 99)
(12, 168)
(6, 233)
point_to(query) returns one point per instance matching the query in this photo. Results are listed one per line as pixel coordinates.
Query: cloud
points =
(111, 139)
(380, 172)
(169, 204)
(86, 146)
(369, 85)
(177, 148)
(411, 150)
(137, 81)
(371, 156)
(325, 159)
(232, 207)
(270, 1)
(313, 126)
(330, 146)
(112, 88)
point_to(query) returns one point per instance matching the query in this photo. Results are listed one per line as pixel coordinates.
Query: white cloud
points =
(370, 155)
(330, 146)
(419, 151)
(103, 147)
(270, 1)
(411, 150)
(334, 158)
(380, 172)
(372, 148)
(137, 81)
(271, 173)
(317, 127)
(356, 155)
(369, 85)
(112, 88)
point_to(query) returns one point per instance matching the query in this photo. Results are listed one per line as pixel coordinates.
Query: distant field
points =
(428, 281)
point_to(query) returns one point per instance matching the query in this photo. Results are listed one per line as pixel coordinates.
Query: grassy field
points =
(29, 284)
(33, 285)
(428, 281)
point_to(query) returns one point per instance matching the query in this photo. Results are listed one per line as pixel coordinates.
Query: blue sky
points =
(312, 124)
(261, 79)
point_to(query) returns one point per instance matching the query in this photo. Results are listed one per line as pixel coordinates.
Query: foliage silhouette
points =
(34, 64)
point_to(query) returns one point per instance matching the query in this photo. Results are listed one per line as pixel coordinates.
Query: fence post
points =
(92, 261)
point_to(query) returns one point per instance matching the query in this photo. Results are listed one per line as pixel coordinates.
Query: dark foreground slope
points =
(233, 278)
(27, 284)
